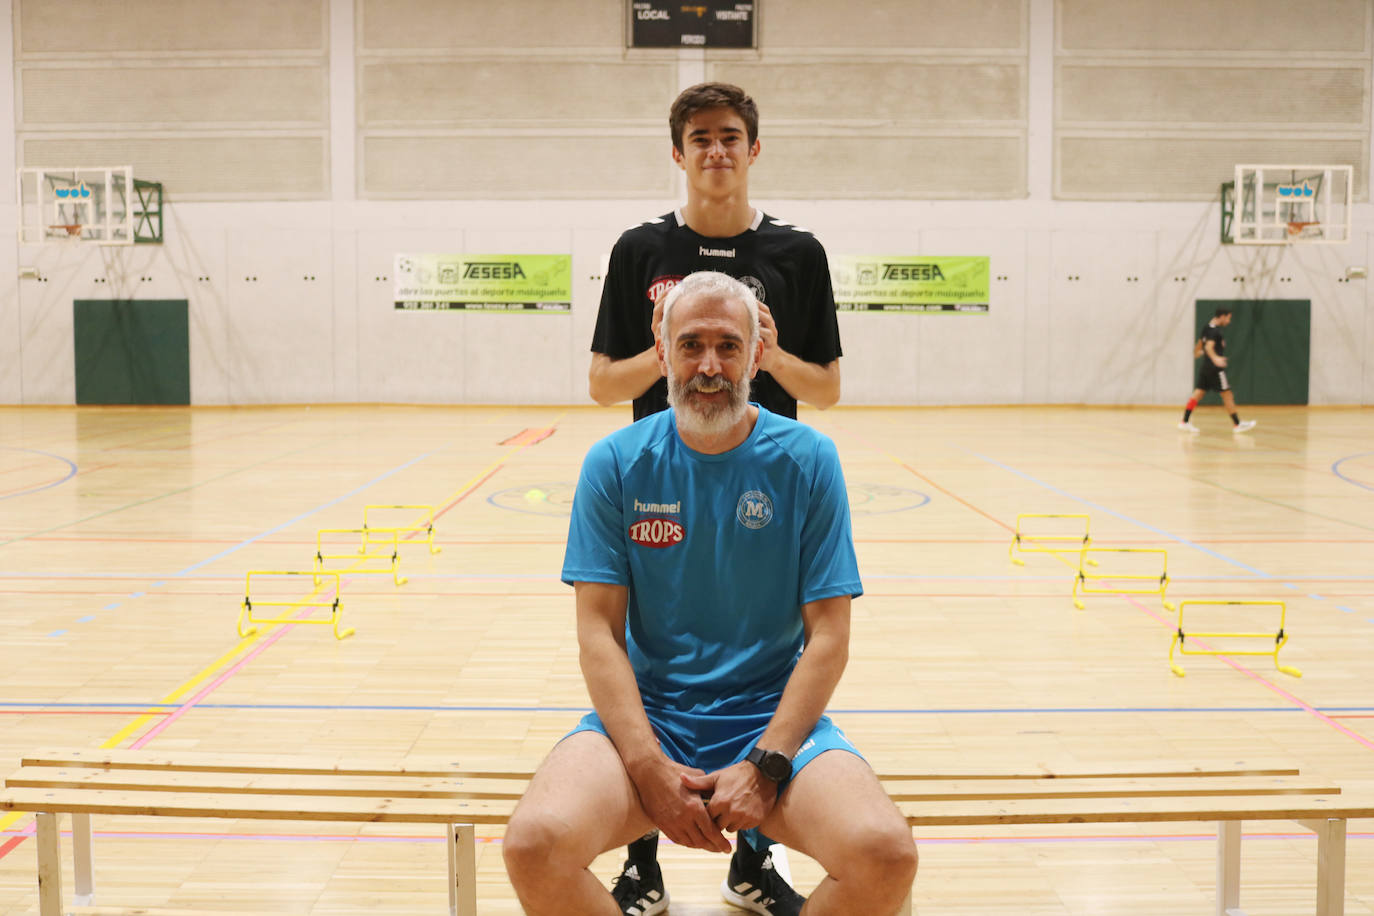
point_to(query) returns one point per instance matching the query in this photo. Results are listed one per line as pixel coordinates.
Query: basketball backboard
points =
(1287, 205)
(102, 205)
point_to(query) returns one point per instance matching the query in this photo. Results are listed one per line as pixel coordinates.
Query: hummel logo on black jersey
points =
(717, 252)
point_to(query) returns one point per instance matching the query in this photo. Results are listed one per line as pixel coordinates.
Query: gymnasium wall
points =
(303, 143)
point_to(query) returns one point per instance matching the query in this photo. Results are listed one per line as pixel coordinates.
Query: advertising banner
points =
(527, 284)
(911, 284)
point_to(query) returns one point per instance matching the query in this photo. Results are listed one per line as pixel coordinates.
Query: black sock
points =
(1235, 419)
(644, 849)
(1186, 415)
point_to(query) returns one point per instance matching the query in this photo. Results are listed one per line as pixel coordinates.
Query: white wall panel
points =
(515, 91)
(1106, 338)
(926, 24)
(407, 356)
(881, 362)
(919, 165)
(224, 167)
(1182, 167)
(886, 91)
(454, 24)
(162, 94)
(140, 26)
(281, 316)
(1214, 94)
(977, 359)
(11, 343)
(1213, 25)
(534, 166)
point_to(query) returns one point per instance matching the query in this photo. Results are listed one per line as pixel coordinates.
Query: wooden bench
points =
(460, 795)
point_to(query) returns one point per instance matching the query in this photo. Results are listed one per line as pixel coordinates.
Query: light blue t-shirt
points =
(719, 553)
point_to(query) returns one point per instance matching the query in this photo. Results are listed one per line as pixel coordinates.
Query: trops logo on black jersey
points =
(660, 286)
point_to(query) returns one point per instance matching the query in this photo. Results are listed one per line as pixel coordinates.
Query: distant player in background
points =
(1211, 375)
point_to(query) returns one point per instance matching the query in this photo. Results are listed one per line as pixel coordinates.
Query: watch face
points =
(772, 764)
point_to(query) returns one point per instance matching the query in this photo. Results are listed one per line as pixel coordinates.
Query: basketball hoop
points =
(73, 230)
(1304, 230)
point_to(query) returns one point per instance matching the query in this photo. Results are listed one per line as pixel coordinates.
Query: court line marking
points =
(71, 472)
(1123, 517)
(461, 493)
(150, 499)
(1335, 469)
(1264, 681)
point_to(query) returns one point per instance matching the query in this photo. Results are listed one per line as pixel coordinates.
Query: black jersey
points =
(784, 265)
(1213, 333)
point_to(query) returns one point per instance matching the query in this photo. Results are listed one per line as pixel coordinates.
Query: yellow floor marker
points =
(390, 552)
(1045, 543)
(334, 604)
(1279, 638)
(371, 528)
(1159, 582)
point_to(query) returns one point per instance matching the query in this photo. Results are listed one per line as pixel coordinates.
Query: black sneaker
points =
(754, 884)
(639, 889)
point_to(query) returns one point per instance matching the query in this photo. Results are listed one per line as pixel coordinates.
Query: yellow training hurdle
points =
(1080, 582)
(1280, 638)
(426, 524)
(335, 604)
(1074, 543)
(392, 558)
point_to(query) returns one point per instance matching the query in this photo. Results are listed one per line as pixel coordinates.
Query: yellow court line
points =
(210, 670)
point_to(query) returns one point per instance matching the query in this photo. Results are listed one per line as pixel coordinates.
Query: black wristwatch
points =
(772, 764)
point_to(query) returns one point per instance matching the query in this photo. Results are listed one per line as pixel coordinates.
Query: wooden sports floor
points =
(126, 535)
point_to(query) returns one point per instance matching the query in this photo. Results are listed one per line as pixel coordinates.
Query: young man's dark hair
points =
(1223, 310)
(713, 95)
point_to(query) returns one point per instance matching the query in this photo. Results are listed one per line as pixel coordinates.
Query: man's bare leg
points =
(836, 811)
(580, 803)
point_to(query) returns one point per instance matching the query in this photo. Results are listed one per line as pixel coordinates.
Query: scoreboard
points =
(691, 24)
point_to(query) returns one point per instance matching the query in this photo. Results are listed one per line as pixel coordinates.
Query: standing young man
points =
(1211, 375)
(714, 129)
(714, 569)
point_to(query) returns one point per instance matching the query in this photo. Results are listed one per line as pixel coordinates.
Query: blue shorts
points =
(714, 742)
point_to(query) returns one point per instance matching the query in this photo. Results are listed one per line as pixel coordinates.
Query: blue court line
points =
(304, 515)
(71, 472)
(1126, 518)
(369, 707)
(87, 619)
(1336, 469)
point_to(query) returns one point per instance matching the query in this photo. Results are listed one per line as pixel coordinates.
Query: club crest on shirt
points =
(754, 510)
(755, 286)
(657, 532)
(660, 286)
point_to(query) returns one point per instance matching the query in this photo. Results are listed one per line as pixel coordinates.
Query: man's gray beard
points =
(707, 420)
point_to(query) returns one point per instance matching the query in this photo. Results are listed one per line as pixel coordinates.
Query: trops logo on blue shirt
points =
(754, 509)
(657, 531)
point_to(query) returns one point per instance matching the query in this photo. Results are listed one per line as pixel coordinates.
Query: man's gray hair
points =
(712, 283)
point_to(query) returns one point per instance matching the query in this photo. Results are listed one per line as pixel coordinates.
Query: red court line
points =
(950, 494)
(468, 492)
(1267, 684)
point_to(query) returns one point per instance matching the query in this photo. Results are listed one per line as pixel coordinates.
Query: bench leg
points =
(81, 860)
(1228, 867)
(1330, 865)
(49, 865)
(462, 870)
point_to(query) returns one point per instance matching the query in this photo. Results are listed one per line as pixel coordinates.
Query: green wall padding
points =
(132, 351)
(1268, 349)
